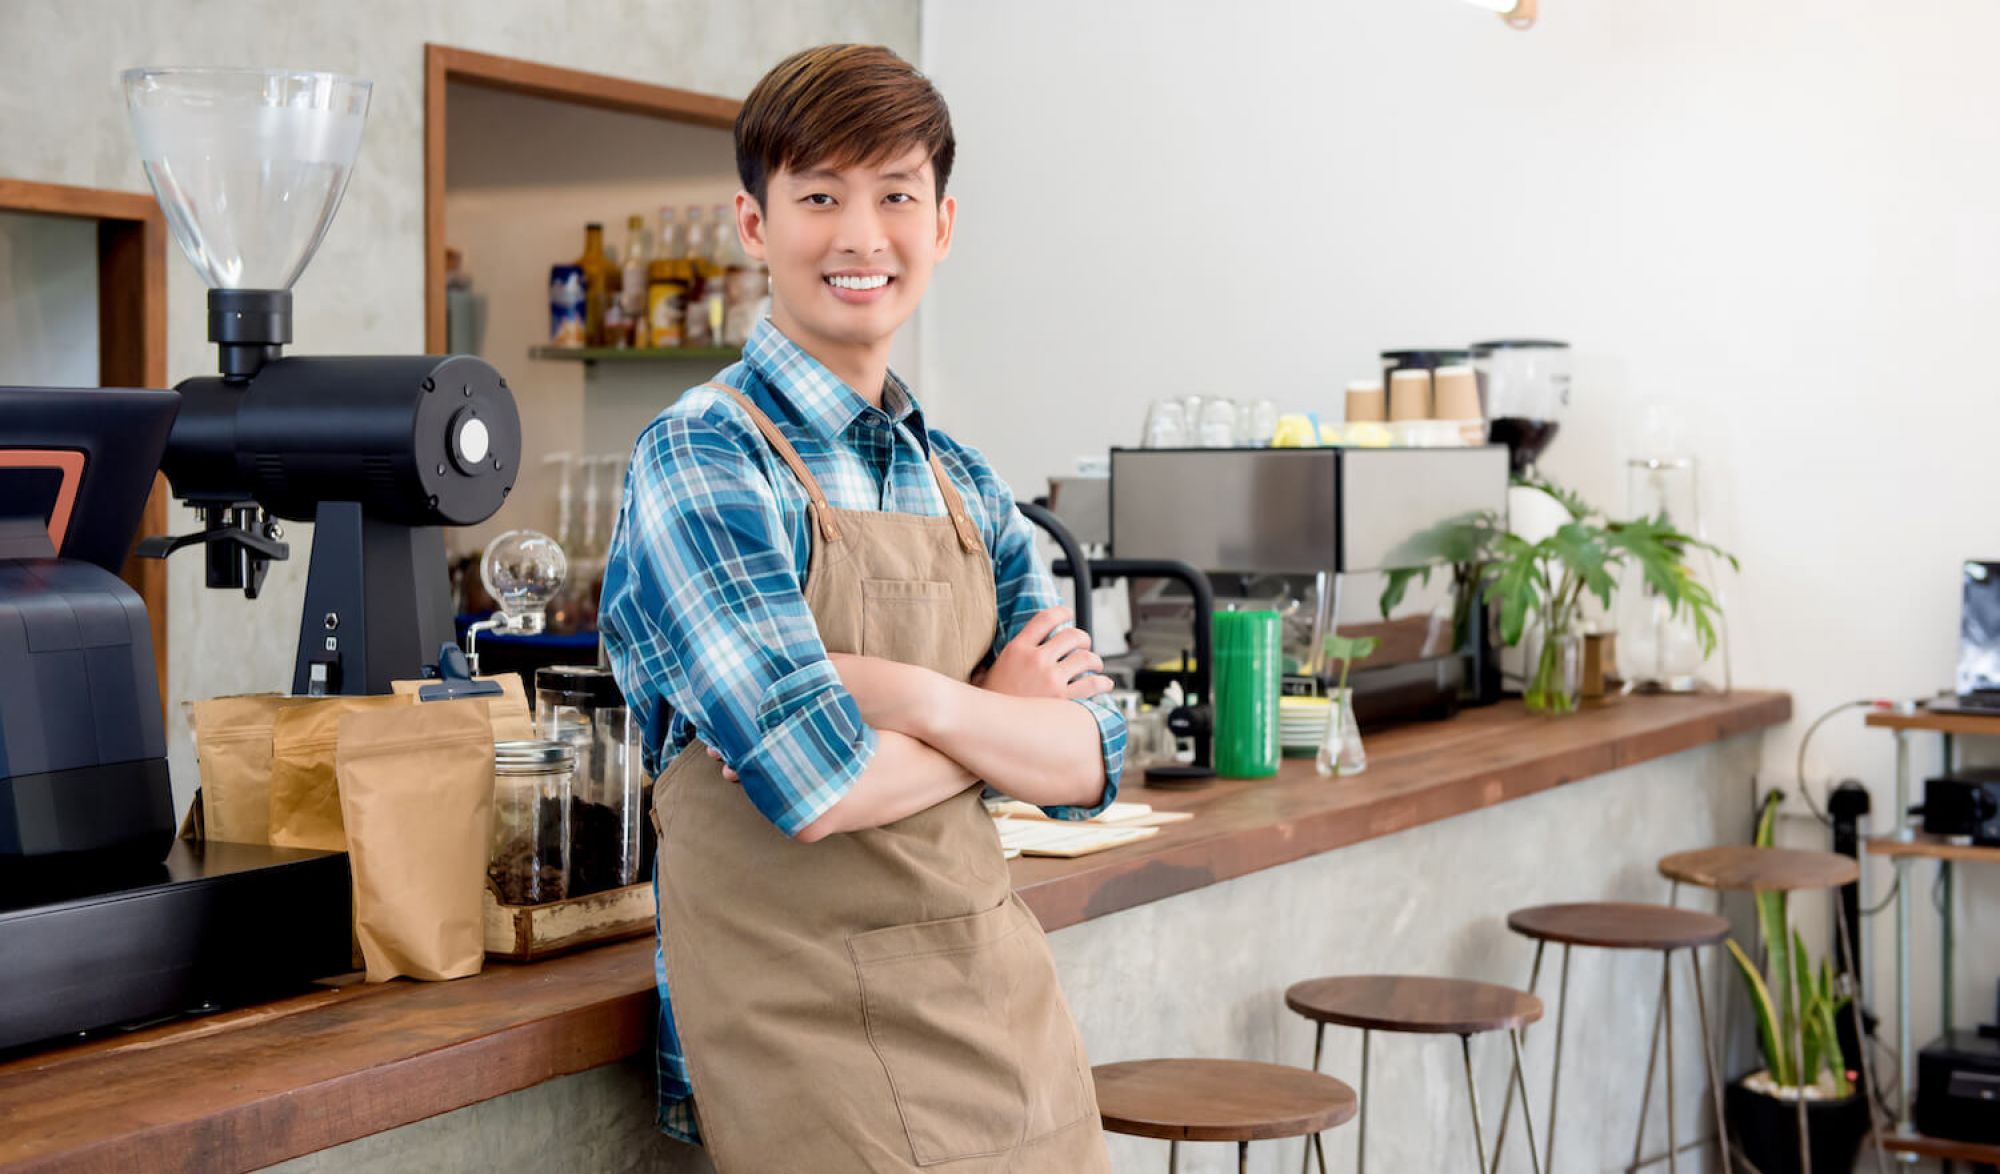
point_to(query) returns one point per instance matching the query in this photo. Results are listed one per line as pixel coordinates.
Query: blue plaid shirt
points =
(703, 612)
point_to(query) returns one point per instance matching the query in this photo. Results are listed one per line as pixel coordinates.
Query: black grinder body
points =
(377, 451)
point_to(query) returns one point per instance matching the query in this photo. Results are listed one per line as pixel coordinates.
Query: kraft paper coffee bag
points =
(416, 797)
(305, 796)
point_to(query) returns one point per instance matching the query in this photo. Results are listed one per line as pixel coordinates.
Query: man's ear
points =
(947, 218)
(750, 225)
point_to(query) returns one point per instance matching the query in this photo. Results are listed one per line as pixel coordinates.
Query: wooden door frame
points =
(444, 65)
(131, 334)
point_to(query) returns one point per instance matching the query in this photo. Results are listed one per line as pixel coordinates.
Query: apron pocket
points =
(967, 1020)
(907, 620)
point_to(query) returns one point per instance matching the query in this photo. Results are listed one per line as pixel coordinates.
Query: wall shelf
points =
(605, 354)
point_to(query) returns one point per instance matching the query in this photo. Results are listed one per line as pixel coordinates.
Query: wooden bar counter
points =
(248, 1088)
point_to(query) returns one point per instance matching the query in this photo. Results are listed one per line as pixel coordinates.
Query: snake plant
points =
(1795, 1026)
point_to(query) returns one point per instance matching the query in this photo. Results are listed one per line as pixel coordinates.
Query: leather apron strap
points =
(954, 504)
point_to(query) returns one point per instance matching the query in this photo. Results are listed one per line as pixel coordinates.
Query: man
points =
(831, 625)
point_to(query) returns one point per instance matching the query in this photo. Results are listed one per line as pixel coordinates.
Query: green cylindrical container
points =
(1248, 663)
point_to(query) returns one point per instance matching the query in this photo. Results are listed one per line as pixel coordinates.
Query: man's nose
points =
(860, 232)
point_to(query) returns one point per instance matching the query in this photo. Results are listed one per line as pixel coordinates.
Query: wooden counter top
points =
(248, 1088)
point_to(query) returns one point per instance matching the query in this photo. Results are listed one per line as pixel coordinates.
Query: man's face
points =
(850, 249)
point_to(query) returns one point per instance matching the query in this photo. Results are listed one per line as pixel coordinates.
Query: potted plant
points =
(1541, 587)
(1796, 1012)
(1340, 750)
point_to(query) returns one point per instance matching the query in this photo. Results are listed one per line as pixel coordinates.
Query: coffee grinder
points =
(105, 917)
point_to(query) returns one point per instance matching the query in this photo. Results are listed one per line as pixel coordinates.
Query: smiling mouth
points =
(858, 283)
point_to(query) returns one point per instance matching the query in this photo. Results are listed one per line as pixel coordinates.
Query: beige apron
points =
(880, 1000)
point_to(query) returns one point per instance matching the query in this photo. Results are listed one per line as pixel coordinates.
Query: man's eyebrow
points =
(821, 173)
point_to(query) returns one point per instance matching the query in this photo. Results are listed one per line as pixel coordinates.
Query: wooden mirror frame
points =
(131, 334)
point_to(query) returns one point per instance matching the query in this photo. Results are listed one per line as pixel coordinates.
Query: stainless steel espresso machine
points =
(1318, 535)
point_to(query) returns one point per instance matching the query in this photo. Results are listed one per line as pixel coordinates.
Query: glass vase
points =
(1340, 751)
(1554, 668)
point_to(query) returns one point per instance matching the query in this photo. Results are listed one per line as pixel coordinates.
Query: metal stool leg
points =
(1319, 1147)
(1646, 1090)
(1472, 1095)
(1361, 1132)
(1708, 1059)
(1173, 1157)
(1555, 1077)
(1507, 1105)
(1861, 1041)
(1319, 1045)
(1527, 1110)
(1242, 1157)
(1667, 1001)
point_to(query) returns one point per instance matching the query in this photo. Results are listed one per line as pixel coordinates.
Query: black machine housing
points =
(1964, 805)
(377, 451)
(104, 917)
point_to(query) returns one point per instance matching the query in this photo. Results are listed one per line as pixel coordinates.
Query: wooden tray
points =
(529, 933)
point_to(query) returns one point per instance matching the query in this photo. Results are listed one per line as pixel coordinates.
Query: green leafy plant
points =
(1348, 649)
(1795, 1025)
(1547, 581)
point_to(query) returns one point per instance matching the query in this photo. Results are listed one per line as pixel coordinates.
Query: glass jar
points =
(1553, 664)
(581, 707)
(529, 863)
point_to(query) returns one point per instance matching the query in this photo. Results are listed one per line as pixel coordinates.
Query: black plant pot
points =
(1767, 1129)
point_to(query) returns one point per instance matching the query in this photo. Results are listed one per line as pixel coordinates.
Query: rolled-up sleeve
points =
(1024, 586)
(702, 615)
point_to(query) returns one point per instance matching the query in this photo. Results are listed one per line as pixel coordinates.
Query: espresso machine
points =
(1355, 541)
(105, 917)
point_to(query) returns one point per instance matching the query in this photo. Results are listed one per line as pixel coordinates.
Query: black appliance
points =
(1958, 1087)
(1964, 805)
(104, 918)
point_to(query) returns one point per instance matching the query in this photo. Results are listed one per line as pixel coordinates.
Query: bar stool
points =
(1412, 1005)
(1219, 1100)
(1613, 925)
(1751, 869)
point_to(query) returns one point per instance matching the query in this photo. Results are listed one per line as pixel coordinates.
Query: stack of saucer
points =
(1302, 723)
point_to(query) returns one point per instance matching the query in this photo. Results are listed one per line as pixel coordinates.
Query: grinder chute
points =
(378, 452)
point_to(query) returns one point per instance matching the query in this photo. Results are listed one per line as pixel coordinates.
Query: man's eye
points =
(819, 200)
(900, 198)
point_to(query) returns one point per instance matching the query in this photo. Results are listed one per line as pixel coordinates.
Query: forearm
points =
(1046, 751)
(903, 778)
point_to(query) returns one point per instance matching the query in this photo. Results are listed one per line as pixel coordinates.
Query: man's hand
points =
(1042, 662)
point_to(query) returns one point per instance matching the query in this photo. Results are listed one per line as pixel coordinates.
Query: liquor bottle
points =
(638, 253)
(597, 270)
(666, 289)
(695, 330)
(722, 246)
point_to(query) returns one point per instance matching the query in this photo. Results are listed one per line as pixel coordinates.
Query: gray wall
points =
(1204, 974)
(62, 119)
(48, 301)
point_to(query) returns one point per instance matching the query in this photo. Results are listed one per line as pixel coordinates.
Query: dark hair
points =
(842, 106)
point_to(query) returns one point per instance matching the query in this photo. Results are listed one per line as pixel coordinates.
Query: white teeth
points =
(844, 282)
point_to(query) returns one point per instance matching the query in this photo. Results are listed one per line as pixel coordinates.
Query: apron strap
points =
(968, 536)
(822, 512)
(954, 504)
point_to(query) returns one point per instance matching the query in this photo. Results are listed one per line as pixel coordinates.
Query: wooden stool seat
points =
(1619, 925)
(1218, 1100)
(1748, 868)
(1413, 1004)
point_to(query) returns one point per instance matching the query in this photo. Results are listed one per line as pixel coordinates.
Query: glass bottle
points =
(529, 861)
(638, 255)
(666, 289)
(597, 270)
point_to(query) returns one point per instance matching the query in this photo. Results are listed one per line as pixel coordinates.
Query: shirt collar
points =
(818, 397)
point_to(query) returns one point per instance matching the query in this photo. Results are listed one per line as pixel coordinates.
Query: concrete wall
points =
(48, 301)
(62, 120)
(1204, 974)
(1777, 217)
